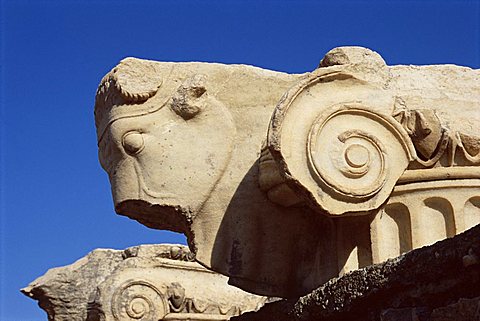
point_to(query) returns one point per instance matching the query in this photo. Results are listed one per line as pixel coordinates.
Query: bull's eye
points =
(133, 142)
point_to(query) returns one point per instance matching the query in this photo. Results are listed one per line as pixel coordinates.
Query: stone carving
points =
(136, 300)
(147, 282)
(281, 181)
(433, 141)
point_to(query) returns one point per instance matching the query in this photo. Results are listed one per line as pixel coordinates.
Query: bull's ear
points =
(189, 99)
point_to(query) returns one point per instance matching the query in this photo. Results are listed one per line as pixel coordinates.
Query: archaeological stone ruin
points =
(350, 192)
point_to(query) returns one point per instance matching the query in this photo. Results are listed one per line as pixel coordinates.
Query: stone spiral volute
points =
(138, 300)
(340, 157)
(346, 153)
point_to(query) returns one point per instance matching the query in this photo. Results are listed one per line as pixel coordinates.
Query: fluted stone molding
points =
(147, 282)
(283, 181)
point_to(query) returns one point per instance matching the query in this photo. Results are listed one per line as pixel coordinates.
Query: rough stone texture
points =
(281, 181)
(147, 282)
(435, 283)
(463, 310)
(63, 292)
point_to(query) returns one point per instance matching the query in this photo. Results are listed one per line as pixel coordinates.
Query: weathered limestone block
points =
(147, 282)
(282, 181)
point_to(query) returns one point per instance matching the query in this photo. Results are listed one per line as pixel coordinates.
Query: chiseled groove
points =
(471, 212)
(445, 208)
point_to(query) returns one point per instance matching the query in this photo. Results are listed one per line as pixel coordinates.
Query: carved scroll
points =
(162, 283)
(344, 157)
(138, 300)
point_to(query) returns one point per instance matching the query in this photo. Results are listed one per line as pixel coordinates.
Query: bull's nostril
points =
(133, 142)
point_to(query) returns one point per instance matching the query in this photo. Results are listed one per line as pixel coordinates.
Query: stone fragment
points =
(147, 282)
(64, 292)
(281, 181)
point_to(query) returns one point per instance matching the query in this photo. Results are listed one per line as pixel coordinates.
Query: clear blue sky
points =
(55, 199)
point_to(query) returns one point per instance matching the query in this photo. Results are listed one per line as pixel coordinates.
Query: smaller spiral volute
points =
(138, 300)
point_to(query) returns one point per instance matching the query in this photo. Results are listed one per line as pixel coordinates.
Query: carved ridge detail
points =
(179, 303)
(170, 252)
(179, 254)
(433, 140)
